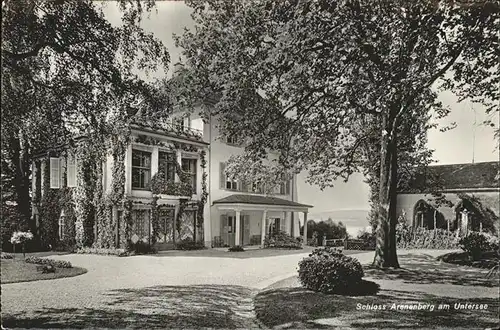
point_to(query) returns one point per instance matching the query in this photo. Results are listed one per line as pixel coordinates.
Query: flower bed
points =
(282, 240)
(6, 256)
(47, 261)
(421, 238)
(189, 244)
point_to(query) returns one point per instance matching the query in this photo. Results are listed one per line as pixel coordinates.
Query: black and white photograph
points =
(250, 164)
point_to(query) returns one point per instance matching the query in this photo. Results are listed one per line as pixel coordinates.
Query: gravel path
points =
(163, 292)
(108, 277)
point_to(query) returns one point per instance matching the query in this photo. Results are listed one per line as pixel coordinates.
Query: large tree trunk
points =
(385, 254)
(20, 161)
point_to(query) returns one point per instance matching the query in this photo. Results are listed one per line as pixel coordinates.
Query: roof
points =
(469, 176)
(257, 199)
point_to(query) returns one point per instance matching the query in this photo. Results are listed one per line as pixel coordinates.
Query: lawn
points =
(158, 307)
(421, 280)
(16, 270)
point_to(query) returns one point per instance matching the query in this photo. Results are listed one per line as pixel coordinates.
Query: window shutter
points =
(287, 187)
(222, 176)
(55, 176)
(223, 227)
(71, 171)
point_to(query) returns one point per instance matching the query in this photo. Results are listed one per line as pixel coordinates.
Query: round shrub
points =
(236, 248)
(328, 270)
(475, 244)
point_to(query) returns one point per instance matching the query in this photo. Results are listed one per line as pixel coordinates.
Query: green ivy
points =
(204, 190)
(84, 195)
(180, 213)
(127, 223)
(154, 219)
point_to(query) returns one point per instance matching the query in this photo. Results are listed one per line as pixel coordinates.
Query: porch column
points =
(179, 160)
(289, 223)
(305, 228)
(263, 228)
(237, 229)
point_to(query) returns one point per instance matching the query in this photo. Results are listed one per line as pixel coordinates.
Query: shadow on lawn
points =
(425, 269)
(212, 306)
(297, 308)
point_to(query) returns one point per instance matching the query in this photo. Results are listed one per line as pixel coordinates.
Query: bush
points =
(189, 244)
(369, 239)
(475, 244)
(421, 238)
(282, 240)
(141, 248)
(66, 245)
(6, 256)
(101, 251)
(47, 261)
(328, 270)
(236, 248)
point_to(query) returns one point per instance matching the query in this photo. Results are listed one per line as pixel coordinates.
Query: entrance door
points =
(165, 236)
(245, 229)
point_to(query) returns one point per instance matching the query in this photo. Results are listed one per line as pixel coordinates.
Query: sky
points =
(465, 143)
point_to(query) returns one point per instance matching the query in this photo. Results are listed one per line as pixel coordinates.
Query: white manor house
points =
(169, 169)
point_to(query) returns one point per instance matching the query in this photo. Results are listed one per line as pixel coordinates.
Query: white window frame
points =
(232, 140)
(71, 171)
(232, 183)
(55, 172)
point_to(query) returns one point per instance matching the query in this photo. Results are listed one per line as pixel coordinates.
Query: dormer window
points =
(232, 139)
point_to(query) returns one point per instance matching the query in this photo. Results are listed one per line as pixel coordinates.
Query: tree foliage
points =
(67, 72)
(329, 83)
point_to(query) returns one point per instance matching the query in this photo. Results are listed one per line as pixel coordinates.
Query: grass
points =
(287, 305)
(487, 260)
(298, 308)
(16, 270)
(159, 307)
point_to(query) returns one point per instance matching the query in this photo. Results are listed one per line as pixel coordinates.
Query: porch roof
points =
(253, 201)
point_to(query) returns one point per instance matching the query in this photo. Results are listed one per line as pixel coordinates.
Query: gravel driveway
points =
(147, 285)
(149, 292)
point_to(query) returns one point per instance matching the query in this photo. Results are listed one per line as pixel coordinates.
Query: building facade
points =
(470, 198)
(174, 188)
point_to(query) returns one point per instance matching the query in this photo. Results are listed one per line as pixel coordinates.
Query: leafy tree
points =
(67, 72)
(316, 81)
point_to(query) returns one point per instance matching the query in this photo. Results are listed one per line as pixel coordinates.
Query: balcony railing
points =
(161, 185)
(180, 130)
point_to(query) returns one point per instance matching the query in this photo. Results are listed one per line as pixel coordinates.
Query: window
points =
(230, 221)
(71, 172)
(274, 227)
(55, 173)
(166, 165)
(285, 187)
(141, 169)
(225, 181)
(231, 184)
(189, 166)
(232, 139)
(258, 188)
(139, 223)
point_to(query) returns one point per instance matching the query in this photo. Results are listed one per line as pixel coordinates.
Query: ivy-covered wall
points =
(94, 217)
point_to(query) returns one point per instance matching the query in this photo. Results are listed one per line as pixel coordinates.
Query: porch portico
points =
(246, 217)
